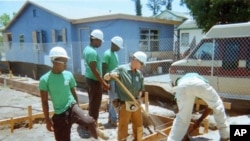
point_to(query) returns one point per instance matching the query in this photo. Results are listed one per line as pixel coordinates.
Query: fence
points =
(224, 62)
(38, 54)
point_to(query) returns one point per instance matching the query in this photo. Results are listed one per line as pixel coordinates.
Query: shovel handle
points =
(128, 93)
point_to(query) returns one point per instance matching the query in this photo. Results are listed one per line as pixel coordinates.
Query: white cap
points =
(141, 56)
(57, 52)
(117, 40)
(97, 34)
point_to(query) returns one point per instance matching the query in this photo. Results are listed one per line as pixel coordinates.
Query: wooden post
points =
(12, 124)
(146, 101)
(206, 125)
(30, 117)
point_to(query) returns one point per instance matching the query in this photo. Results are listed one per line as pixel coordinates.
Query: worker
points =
(187, 88)
(132, 78)
(109, 62)
(60, 84)
(93, 73)
(94, 80)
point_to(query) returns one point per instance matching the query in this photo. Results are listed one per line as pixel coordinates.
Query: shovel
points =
(147, 120)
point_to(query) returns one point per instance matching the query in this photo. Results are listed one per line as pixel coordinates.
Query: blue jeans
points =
(112, 95)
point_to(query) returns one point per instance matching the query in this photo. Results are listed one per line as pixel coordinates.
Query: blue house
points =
(37, 28)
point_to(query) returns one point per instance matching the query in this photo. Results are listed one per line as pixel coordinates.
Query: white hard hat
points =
(57, 52)
(97, 34)
(118, 41)
(141, 56)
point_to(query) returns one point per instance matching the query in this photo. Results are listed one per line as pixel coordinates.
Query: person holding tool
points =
(60, 85)
(109, 62)
(132, 78)
(187, 88)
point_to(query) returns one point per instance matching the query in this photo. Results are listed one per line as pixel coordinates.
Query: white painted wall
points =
(197, 33)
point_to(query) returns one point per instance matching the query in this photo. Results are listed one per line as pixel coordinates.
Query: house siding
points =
(77, 36)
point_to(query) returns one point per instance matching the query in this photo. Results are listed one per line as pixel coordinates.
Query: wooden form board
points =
(31, 117)
(199, 102)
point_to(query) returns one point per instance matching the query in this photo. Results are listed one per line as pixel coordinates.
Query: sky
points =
(92, 6)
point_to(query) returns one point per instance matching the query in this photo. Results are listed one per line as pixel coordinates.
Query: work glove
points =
(108, 76)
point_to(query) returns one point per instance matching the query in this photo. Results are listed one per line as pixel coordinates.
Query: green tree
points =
(169, 4)
(4, 19)
(138, 7)
(211, 12)
(155, 5)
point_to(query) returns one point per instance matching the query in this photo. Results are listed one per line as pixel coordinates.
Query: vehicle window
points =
(231, 55)
(204, 52)
(248, 59)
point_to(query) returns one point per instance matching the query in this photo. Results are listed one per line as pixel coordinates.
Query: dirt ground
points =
(14, 103)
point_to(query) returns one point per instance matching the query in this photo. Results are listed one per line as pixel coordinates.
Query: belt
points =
(66, 112)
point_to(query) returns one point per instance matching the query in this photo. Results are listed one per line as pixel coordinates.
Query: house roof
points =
(179, 15)
(126, 17)
(81, 15)
(188, 24)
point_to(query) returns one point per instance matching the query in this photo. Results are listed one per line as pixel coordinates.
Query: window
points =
(149, 40)
(184, 39)
(38, 36)
(34, 12)
(204, 52)
(61, 35)
(248, 59)
(231, 55)
(21, 40)
(7, 39)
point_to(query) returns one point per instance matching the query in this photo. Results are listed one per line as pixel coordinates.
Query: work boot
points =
(112, 123)
(102, 135)
(222, 139)
(93, 130)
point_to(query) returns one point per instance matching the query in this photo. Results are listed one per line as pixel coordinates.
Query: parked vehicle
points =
(222, 57)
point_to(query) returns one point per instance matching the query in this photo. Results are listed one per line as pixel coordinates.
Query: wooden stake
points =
(30, 117)
(11, 125)
(146, 101)
(34, 74)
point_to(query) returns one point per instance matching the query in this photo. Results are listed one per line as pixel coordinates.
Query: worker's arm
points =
(104, 68)
(45, 106)
(203, 116)
(98, 76)
(73, 91)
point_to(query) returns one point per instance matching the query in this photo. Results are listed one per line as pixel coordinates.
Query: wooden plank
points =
(159, 134)
(30, 117)
(199, 102)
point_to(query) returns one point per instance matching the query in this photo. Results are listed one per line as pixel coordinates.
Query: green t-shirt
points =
(59, 88)
(134, 82)
(90, 55)
(111, 59)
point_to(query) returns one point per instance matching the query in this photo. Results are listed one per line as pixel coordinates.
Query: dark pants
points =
(95, 97)
(63, 122)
